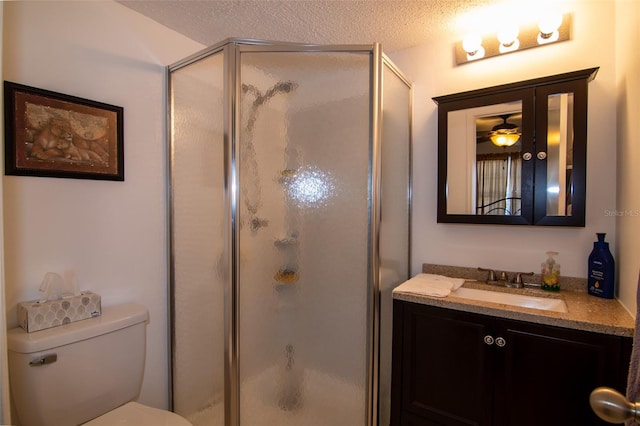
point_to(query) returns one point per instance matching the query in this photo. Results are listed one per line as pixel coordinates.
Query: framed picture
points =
(55, 135)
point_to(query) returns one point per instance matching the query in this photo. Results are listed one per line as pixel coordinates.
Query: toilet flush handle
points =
(44, 359)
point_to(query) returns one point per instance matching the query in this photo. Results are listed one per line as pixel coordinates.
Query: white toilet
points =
(85, 371)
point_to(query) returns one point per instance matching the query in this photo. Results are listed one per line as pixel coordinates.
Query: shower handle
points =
(613, 407)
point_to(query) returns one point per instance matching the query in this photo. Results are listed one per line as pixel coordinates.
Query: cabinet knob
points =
(501, 342)
(488, 340)
(527, 156)
(541, 155)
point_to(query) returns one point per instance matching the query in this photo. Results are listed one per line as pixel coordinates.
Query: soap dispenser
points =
(551, 273)
(601, 269)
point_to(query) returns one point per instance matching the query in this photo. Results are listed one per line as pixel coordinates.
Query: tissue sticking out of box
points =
(54, 287)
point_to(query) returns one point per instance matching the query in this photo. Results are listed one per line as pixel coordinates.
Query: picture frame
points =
(50, 134)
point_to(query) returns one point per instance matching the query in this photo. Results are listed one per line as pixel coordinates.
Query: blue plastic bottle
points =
(601, 269)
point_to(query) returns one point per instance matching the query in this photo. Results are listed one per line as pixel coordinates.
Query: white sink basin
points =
(542, 303)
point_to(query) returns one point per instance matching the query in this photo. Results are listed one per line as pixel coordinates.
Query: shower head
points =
(285, 86)
(280, 87)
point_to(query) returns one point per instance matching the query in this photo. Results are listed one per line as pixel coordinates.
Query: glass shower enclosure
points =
(289, 227)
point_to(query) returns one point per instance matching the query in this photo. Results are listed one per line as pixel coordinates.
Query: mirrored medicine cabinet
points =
(515, 154)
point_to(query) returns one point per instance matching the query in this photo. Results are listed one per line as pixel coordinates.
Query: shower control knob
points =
(527, 156)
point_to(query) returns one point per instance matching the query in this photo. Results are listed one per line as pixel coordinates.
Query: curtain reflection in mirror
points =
(498, 181)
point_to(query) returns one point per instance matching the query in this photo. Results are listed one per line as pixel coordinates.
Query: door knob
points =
(613, 407)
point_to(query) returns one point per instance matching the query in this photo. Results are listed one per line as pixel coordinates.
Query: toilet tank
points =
(72, 373)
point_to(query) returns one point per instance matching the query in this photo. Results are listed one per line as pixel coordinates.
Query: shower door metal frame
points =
(232, 292)
(232, 50)
(379, 104)
(375, 61)
(375, 212)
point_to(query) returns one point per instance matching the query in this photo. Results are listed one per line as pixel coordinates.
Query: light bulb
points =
(472, 45)
(549, 28)
(550, 24)
(508, 35)
(508, 38)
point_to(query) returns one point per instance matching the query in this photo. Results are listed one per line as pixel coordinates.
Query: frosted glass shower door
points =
(199, 255)
(304, 238)
(395, 240)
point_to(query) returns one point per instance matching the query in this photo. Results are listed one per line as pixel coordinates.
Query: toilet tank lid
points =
(112, 318)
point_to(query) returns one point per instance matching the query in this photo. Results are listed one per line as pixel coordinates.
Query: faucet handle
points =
(492, 274)
(518, 278)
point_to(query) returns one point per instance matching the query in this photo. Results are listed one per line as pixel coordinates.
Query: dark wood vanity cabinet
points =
(459, 368)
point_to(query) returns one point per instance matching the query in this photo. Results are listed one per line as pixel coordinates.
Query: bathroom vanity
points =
(459, 361)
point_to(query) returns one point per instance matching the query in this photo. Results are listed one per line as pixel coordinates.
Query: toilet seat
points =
(135, 414)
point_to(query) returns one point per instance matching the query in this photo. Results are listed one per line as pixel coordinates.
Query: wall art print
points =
(55, 135)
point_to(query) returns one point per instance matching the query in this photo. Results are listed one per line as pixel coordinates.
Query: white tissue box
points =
(34, 316)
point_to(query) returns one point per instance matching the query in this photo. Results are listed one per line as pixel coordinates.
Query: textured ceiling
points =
(396, 24)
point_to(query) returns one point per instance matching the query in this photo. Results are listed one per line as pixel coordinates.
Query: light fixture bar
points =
(529, 36)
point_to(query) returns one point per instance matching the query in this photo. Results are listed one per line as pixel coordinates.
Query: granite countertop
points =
(585, 312)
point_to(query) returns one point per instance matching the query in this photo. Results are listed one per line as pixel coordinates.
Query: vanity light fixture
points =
(504, 134)
(550, 29)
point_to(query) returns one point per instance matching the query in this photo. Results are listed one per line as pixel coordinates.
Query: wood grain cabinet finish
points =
(458, 368)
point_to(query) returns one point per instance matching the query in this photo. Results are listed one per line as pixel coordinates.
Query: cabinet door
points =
(480, 182)
(560, 153)
(548, 374)
(446, 367)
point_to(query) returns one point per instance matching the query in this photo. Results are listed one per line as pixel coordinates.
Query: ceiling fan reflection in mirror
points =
(505, 134)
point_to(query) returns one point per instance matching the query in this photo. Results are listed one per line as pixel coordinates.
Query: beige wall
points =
(514, 248)
(112, 233)
(628, 129)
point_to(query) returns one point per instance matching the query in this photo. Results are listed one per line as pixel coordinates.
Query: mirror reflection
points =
(559, 154)
(493, 148)
(485, 155)
(498, 169)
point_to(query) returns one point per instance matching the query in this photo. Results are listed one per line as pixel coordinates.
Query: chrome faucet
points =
(491, 278)
(502, 279)
(517, 280)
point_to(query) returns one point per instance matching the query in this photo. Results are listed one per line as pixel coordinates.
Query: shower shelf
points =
(286, 242)
(286, 276)
(286, 174)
